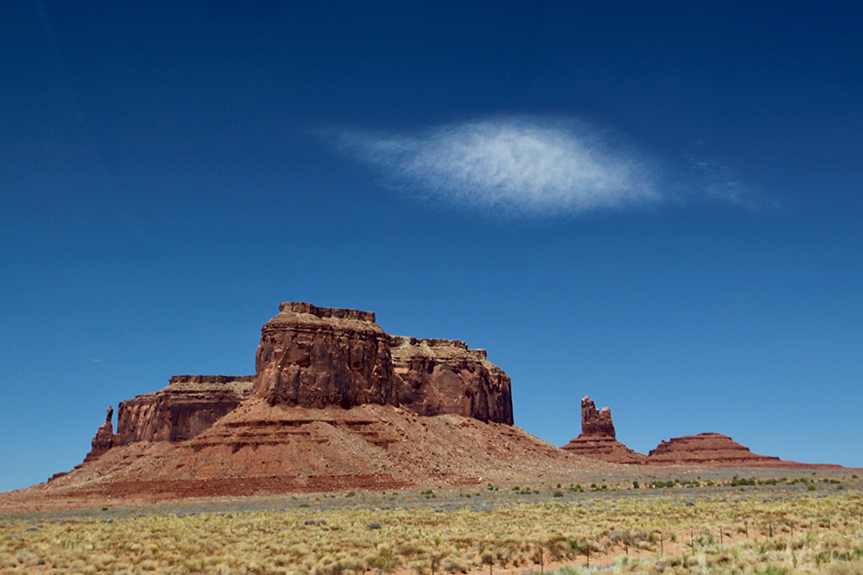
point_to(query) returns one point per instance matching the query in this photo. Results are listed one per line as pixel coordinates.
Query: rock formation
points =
(713, 449)
(437, 376)
(335, 403)
(716, 450)
(104, 439)
(595, 422)
(189, 405)
(597, 441)
(597, 437)
(316, 357)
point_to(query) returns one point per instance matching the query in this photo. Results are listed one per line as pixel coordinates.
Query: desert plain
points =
(667, 520)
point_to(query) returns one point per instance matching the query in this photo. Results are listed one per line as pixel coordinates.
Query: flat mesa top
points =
(323, 312)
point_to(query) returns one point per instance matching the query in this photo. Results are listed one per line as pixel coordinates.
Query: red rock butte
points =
(335, 403)
(597, 439)
(316, 357)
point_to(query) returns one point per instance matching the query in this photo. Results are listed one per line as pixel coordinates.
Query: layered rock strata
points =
(597, 439)
(260, 448)
(438, 376)
(189, 405)
(315, 357)
(709, 449)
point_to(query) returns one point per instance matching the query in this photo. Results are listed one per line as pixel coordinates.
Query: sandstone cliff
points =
(314, 357)
(597, 437)
(189, 405)
(438, 376)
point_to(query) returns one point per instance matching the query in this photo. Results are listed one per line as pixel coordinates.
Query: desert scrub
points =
(812, 533)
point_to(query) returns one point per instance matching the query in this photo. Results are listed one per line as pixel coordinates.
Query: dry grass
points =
(669, 531)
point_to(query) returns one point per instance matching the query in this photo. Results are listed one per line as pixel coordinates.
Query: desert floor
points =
(676, 520)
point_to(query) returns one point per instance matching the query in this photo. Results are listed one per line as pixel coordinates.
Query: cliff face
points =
(189, 405)
(315, 357)
(438, 376)
(311, 357)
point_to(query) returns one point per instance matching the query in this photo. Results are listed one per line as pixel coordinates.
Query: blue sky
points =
(655, 205)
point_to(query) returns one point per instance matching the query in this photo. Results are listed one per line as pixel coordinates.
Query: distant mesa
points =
(317, 357)
(717, 450)
(597, 438)
(713, 449)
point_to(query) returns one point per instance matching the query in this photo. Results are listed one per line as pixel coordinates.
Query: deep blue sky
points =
(653, 204)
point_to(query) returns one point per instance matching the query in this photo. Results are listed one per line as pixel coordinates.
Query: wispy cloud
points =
(521, 166)
(716, 182)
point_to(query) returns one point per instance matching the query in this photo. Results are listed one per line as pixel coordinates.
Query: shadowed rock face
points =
(104, 439)
(597, 441)
(189, 405)
(438, 376)
(316, 357)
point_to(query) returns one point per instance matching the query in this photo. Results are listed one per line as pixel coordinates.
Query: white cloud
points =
(514, 166)
(528, 166)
